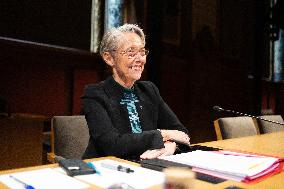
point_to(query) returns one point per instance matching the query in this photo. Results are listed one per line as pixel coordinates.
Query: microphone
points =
(219, 109)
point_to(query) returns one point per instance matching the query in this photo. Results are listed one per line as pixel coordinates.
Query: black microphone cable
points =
(219, 109)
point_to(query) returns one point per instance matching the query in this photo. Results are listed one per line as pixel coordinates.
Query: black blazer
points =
(108, 121)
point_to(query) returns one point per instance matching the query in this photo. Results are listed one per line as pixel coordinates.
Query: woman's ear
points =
(108, 58)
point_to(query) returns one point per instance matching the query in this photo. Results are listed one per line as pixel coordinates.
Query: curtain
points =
(96, 24)
(279, 57)
(114, 14)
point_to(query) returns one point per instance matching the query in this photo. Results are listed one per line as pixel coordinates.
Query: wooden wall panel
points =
(43, 79)
(82, 77)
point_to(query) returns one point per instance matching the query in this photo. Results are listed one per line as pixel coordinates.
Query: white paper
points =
(139, 179)
(42, 179)
(236, 164)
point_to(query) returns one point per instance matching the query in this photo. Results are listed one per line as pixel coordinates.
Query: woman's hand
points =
(170, 148)
(151, 154)
(175, 135)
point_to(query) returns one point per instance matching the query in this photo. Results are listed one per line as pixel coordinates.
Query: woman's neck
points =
(125, 84)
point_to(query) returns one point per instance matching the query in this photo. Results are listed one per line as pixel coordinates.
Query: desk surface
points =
(270, 144)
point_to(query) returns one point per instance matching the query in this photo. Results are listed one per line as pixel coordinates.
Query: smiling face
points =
(128, 60)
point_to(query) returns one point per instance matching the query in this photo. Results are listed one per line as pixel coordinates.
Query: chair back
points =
(234, 127)
(268, 127)
(69, 137)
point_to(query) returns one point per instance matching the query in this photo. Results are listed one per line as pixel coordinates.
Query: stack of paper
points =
(230, 165)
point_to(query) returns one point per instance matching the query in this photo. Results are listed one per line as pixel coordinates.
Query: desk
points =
(55, 165)
(270, 144)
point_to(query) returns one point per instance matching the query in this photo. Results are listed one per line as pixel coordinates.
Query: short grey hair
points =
(112, 38)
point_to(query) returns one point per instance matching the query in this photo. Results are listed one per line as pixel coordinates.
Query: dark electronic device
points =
(75, 167)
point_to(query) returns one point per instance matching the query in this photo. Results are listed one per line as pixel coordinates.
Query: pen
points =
(27, 186)
(117, 168)
(90, 164)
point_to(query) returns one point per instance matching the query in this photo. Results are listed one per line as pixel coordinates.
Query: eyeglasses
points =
(132, 52)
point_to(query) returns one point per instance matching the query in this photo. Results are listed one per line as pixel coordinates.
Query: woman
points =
(128, 118)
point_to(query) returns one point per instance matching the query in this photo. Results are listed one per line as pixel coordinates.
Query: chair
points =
(69, 137)
(234, 127)
(268, 127)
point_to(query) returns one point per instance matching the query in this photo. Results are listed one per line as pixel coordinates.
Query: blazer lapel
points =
(119, 113)
(146, 110)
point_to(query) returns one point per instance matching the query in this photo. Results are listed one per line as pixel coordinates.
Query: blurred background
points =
(202, 53)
